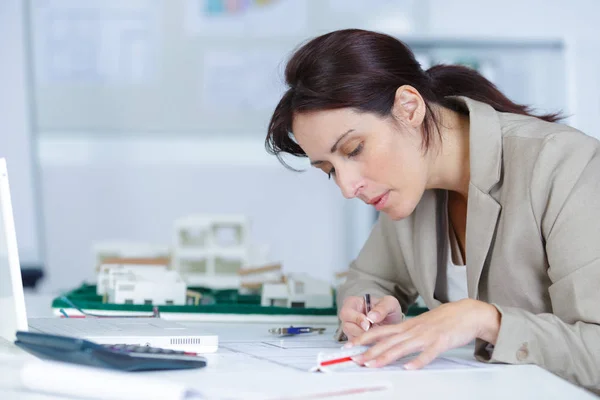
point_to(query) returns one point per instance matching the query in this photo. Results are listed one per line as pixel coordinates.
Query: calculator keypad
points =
(131, 348)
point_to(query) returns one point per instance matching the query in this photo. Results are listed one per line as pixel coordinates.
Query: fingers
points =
(397, 347)
(423, 359)
(430, 334)
(394, 353)
(387, 305)
(351, 309)
(384, 346)
(352, 330)
(381, 332)
(352, 312)
(354, 322)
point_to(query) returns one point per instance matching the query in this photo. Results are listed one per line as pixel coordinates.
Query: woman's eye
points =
(356, 151)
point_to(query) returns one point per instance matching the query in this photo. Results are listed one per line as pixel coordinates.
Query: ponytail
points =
(362, 70)
(457, 80)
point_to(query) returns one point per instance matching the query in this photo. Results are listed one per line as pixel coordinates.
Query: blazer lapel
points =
(430, 229)
(485, 152)
(482, 216)
(426, 247)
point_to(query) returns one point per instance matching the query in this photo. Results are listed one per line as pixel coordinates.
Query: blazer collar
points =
(485, 147)
(485, 138)
(485, 153)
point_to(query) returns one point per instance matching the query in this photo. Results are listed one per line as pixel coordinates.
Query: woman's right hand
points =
(354, 321)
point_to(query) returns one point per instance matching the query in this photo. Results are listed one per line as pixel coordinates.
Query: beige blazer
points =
(532, 244)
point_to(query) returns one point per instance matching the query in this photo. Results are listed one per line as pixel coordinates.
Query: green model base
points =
(227, 301)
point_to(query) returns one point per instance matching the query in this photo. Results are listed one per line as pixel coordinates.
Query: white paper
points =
(242, 80)
(301, 354)
(91, 383)
(250, 18)
(440, 363)
(95, 41)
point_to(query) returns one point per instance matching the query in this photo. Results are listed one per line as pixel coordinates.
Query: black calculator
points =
(121, 357)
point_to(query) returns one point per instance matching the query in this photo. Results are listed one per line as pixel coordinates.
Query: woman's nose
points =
(348, 182)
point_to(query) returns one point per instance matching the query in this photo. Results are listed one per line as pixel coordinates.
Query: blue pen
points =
(295, 330)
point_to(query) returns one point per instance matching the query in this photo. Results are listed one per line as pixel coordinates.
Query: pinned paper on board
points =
(390, 16)
(245, 18)
(242, 80)
(96, 41)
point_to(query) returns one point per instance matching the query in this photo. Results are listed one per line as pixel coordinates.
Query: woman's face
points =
(379, 160)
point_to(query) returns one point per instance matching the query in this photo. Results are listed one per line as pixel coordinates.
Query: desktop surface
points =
(252, 363)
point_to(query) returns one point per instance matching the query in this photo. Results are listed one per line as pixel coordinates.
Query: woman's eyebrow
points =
(334, 147)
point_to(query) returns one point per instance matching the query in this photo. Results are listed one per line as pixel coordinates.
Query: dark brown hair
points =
(362, 70)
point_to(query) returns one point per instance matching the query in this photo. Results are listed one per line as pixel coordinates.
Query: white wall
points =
(103, 186)
(132, 189)
(15, 130)
(574, 21)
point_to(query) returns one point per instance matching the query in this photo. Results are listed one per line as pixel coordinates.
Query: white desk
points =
(237, 372)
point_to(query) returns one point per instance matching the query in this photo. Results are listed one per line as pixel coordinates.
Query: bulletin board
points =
(215, 67)
(171, 66)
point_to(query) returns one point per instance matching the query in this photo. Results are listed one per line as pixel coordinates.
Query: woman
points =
(488, 212)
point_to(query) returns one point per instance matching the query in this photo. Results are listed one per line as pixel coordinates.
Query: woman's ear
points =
(409, 106)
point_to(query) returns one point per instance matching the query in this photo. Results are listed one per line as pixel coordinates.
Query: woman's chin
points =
(398, 212)
(395, 216)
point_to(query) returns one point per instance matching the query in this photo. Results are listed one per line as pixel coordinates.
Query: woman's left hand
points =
(432, 333)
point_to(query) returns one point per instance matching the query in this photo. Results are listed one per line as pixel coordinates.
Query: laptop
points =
(153, 332)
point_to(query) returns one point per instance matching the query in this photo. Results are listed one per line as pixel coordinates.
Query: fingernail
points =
(357, 359)
(371, 364)
(373, 316)
(347, 345)
(365, 325)
(409, 366)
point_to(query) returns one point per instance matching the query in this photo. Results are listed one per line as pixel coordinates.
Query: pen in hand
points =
(367, 298)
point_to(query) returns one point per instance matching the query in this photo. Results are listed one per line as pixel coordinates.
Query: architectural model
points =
(116, 252)
(135, 284)
(210, 250)
(253, 279)
(298, 291)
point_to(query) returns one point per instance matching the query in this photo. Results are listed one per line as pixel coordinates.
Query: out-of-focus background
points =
(117, 117)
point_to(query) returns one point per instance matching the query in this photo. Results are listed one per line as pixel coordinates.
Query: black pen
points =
(367, 298)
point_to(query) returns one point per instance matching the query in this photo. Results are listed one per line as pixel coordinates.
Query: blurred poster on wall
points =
(242, 80)
(95, 41)
(388, 16)
(250, 18)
